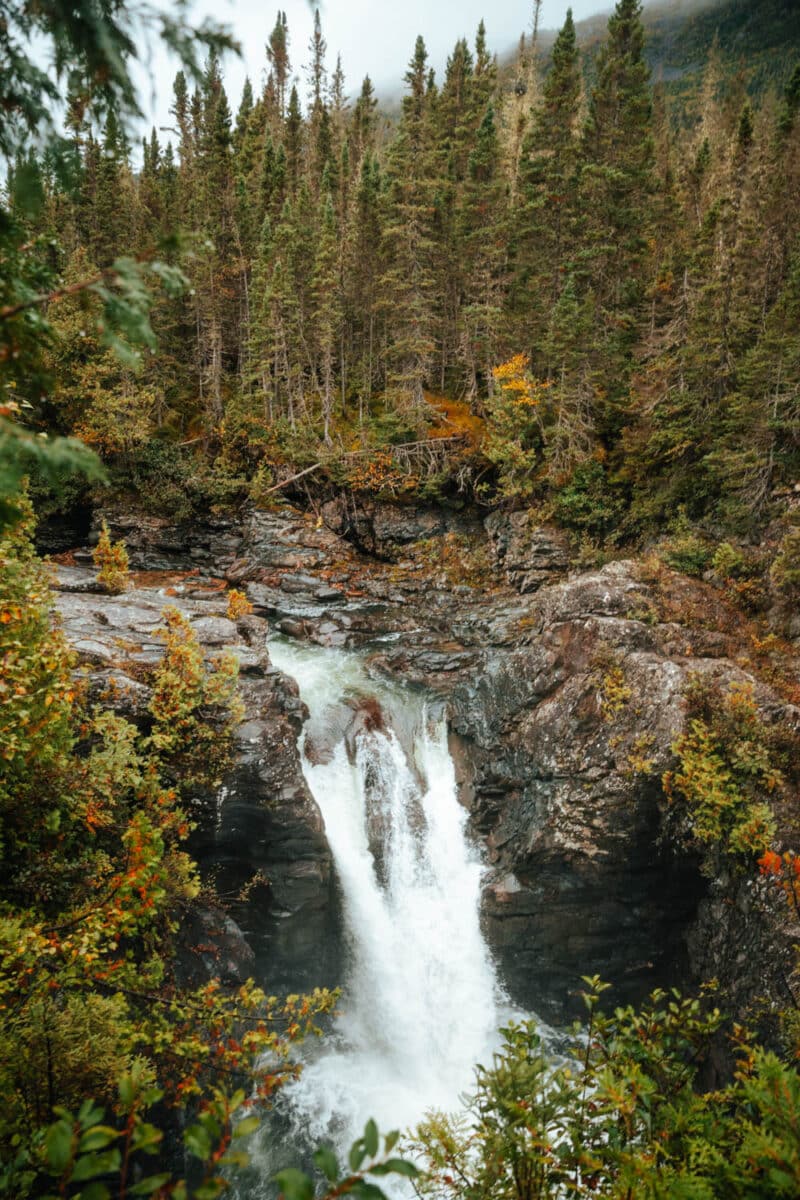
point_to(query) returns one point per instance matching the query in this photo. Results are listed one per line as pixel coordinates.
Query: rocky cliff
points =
(564, 691)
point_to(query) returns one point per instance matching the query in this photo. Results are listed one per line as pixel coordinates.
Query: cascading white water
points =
(420, 1002)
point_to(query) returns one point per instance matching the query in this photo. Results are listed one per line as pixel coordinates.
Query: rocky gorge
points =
(564, 690)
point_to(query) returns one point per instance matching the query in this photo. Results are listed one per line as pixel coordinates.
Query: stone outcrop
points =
(381, 530)
(528, 554)
(261, 835)
(564, 693)
(562, 744)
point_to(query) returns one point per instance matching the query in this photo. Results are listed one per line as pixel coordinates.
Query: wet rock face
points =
(212, 946)
(561, 745)
(529, 555)
(381, 530)
(261, 837)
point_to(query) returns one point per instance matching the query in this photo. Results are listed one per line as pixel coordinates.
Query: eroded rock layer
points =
(564, 691)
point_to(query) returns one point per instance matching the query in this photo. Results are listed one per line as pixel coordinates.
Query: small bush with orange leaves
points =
(238, 605)
(513, 440)
(111, 560)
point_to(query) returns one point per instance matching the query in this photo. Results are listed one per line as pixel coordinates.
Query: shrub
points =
(685, 550)
(238, 605)
(608, 674)
(626, 1117)
(111, 560)
(195, 705)
(589, 504)
(785, 571)
(728, 562)
(726, 771)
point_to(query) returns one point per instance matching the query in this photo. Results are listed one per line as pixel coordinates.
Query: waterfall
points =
(420, 1000)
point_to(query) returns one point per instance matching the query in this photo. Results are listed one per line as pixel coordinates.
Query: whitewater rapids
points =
(420, 1003)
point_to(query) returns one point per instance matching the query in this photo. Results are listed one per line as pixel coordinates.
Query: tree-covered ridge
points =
(756, 41)
(757, 44)
(340, 267)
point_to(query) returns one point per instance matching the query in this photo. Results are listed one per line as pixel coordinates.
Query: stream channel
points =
(421, 1002)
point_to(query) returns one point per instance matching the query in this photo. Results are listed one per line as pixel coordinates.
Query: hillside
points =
(758, 43)
(760, 40)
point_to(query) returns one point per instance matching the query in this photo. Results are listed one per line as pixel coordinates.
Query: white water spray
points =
(420, 1001)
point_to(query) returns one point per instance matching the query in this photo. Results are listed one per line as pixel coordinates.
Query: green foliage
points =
(93, 878)
(352, 1181)
(627, 1116)
(729, 768)
(647, 271)
(53, 460)
(91, 50)
(195, 707)
(685, 550)
(36, 703)
(785, 571)
(111, 560)
(728, 562)
(588, 503)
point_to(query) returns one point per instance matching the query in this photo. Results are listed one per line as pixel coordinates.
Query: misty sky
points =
(373, 36)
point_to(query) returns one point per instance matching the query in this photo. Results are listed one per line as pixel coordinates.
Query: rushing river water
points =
(421, 1003)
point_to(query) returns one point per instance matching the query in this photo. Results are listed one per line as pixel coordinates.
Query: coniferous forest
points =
(633, 253)
(560, 287)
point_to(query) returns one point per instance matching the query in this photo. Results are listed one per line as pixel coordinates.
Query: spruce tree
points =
(293, 141)
(326, 310)
(278, 58)
(483, 236)
(408, 244)
(546, 219)
(616, 194)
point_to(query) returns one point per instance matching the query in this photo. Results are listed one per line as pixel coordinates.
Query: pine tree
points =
(338, 98)
(151, 192)
(362, 281)
(326, 310)
(216, 283)
(316, 71)
(362, 128)
(482, 235)
(112, 215)
(546, 217)
(407, 283)
(278, 58)
(243, 117)
(293, 142)
(616, 194)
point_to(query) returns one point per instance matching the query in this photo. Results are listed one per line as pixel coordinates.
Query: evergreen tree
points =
(483, 236)
(408, 283)
(546, 219)
(278, 58)
(293, 141)
(112, 210)
(363, 281)
(362, 129)
(616, 195)
(316, 70)
(326, 310)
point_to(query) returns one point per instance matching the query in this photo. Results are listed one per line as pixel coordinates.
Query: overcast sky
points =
(375, 37)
